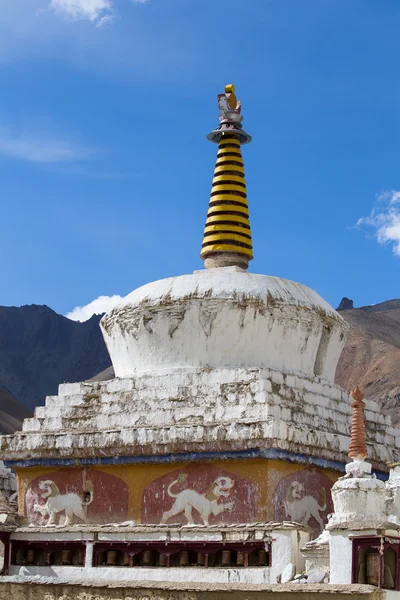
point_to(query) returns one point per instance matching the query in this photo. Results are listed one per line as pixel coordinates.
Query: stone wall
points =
(34, 590)
(8, 482)
(199, 411)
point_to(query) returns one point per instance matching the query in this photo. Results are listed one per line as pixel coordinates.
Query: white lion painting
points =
(300, 508)
(70, 503)
(205, 504)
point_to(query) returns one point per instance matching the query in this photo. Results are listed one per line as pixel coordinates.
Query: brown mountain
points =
(371, 357)
(12, 413)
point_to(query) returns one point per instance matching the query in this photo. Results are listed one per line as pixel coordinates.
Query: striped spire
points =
(227, 234)
(358, 446)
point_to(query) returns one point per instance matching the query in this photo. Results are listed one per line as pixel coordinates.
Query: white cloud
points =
(42, 148)
(385, 220)
(98, 12)
(98, 306)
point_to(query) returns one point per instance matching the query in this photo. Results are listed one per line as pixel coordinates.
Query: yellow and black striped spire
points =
(227, 235)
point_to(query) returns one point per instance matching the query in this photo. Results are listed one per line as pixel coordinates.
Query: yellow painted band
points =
(237, 222)
(226, 164)
(231, 197)
(235, 228)
(220, 237)
(224, 168)
(222, 178)
(224, 141)
(233, 218)
(228, 208)
(226, 248)
(224, 149)
(225, 159)
(221, 206)
(231, 156)
(225, 187)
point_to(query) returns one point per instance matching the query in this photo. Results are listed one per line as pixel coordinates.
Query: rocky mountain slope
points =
(12, 413)
(371, 357)
(40, 349)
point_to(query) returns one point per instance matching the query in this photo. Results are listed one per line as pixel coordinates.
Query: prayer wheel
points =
(111, 558)
(78, 558)
(147, 559)
(66, 557)
(226, 558)
(30, 557)
(373, 568)
(163, 560)
(240, 558)
(262, 557)
(183, 558)
(201, 559)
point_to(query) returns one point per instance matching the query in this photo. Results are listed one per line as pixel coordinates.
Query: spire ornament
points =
(227, 236)
(358, 497)
(358, 446)
(358, 468)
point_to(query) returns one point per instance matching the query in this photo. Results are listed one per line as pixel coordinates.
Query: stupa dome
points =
(224, 317)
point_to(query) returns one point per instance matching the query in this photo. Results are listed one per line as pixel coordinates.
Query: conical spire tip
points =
(227, 236)
(358, 446)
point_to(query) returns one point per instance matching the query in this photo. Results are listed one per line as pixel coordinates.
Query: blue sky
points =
(105, 170)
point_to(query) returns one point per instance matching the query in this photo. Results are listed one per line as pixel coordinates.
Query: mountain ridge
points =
(39, 349)
(371, 356)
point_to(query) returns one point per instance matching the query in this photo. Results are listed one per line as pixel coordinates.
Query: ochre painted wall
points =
(214, 492)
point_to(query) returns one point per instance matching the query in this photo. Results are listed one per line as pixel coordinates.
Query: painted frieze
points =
(69, 496)
(200, 493)
(304, 497)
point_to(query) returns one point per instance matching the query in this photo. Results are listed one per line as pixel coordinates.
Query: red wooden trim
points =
(374, 541)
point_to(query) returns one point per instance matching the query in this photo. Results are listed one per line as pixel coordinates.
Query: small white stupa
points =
(358, 496)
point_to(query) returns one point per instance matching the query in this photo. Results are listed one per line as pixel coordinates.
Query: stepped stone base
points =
(198, 411)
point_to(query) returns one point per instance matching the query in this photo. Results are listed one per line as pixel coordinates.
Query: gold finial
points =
(230, 96)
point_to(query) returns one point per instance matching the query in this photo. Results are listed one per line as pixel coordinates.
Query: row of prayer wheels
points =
(183, 558)
(46, 557)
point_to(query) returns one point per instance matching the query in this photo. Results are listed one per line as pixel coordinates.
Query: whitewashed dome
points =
(224, 317)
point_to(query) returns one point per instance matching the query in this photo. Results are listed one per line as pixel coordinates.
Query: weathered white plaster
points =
(199, 409)
(392, 595)
(129, 531)
(222, 318)
(316, 553)
(393, 495)
(53, 535)
(340, 550)
(89, 555)
(299, 539)
(359, 468)
(255, 575)
(8, 482)
(284, 551)
(358, 499)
